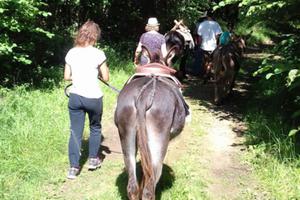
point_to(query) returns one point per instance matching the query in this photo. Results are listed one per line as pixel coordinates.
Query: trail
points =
(228, 177)
(220, 150)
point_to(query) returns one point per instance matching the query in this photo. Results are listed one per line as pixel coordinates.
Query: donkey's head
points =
(155, 57)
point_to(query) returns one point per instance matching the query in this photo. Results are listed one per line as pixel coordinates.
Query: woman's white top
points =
(84, 62)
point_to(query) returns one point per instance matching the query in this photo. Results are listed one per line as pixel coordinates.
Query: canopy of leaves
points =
(35, 34)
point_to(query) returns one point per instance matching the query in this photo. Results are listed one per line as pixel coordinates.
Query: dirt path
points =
(222, 143)
(228, 176)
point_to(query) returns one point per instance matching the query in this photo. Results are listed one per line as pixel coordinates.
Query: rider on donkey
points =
(206, 37)
(153, 41)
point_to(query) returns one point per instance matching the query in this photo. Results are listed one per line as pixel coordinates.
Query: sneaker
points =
(94, 163)
(73, 172)
(188, 118)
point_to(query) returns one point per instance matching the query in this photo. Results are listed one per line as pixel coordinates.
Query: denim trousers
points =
(78, 107)
(197, 68)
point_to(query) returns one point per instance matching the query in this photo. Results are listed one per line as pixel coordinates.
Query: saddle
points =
(155, 69)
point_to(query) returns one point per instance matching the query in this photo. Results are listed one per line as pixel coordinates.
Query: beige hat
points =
(152, 21)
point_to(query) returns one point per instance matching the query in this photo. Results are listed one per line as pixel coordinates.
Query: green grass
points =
(273, 156)
(34, 135)
(33, 131)
(272, 153)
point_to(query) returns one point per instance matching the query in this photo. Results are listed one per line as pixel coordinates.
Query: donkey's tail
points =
(144, 103)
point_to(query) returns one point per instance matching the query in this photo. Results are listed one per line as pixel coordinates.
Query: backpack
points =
(224, 38)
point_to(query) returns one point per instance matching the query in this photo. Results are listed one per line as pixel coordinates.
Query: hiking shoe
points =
(188, 118)
(73, 172)
(94, 163)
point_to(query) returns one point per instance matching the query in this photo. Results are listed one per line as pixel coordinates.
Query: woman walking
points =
(84, 65)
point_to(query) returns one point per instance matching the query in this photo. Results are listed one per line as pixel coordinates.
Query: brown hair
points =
(88, 34)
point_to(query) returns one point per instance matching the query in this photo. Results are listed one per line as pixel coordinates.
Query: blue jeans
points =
(78, 107)
(197, 68)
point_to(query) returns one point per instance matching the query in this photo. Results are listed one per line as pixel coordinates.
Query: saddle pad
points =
(188, 38)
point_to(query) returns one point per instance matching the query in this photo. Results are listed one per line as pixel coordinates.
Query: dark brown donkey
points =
(225, 66)
(150, 111)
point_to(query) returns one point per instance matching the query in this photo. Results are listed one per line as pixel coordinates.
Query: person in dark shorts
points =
(152, 40)
(206, 37)
(84, 65)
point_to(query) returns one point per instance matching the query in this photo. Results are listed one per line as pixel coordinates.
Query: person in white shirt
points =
(84, 65)
(207, 33)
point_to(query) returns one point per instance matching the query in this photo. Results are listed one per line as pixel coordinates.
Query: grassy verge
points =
(34, 132)
(272, 153)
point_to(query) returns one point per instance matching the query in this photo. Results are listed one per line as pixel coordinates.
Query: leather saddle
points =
(155, 69)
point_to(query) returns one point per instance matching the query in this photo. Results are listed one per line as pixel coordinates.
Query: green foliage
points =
(285, 66)
(275, 22)
(19, 24)
(37, 34)
(22, 34)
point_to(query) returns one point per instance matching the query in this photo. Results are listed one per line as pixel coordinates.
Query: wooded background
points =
(35, 35)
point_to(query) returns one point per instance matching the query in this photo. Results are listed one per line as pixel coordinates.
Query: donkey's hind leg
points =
(128, 142)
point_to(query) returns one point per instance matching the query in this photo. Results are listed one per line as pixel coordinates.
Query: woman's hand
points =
(104, 72)
(68, 73)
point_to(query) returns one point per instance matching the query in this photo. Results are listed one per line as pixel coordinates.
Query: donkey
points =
(150, 111)
(180, 36)
(225, 67)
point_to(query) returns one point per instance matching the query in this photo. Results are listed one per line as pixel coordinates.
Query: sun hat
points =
(152, 21)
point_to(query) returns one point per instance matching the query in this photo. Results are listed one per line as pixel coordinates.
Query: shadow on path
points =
(166, 181)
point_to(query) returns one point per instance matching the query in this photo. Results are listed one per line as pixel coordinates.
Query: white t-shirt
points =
(84, 62)
(208, 31)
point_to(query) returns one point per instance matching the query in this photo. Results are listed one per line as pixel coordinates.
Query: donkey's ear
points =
(146, 53)
(171, 54)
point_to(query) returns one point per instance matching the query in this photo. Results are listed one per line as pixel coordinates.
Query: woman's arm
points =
(104, 72)
(137, 53)
(68, 73)
(164, 50)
